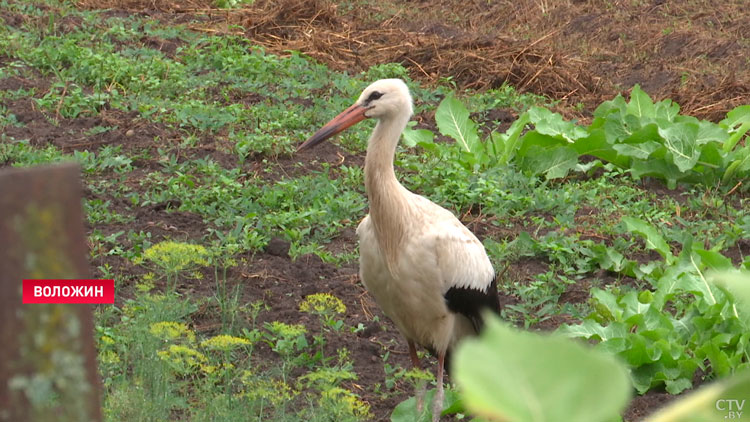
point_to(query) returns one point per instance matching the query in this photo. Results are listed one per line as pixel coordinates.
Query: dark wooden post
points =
(48, 366)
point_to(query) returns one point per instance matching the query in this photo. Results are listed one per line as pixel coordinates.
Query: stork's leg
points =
(415, 363)
(413, 355)
(437, 403)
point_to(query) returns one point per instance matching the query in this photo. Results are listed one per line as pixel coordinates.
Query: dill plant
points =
(326, 307)
(177, 258)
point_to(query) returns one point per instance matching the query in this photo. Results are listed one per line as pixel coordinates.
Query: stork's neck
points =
(389, 200)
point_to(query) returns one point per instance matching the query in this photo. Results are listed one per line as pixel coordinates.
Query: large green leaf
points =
(680, 141)
(653, 239)
(510, 375)
(406, 411)
(414, 137)
(596, 145)
(738, 285)
(619, 127)
(737, 122)
(736, 117)
(554, 162)
(657, 167)
(592, 330)
(453, 120)
(616, 105)
(640, 103)
(710, 132)
(740, 163)
(506, 144)
(666, 110)
(548, 123)
(640, 150)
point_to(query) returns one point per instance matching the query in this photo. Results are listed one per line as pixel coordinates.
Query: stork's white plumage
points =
(430, 275)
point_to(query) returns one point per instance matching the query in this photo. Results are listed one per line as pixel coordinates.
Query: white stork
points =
(430, 275)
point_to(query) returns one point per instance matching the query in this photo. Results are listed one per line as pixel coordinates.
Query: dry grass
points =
(575, 51)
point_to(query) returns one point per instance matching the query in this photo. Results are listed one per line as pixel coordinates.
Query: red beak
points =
(347, 118)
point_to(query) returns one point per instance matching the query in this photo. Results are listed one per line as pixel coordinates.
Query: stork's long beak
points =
(348, 117)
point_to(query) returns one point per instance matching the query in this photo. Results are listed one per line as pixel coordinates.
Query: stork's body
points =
(429, 274)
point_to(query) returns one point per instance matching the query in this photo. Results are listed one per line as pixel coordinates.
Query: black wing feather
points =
(472, 302)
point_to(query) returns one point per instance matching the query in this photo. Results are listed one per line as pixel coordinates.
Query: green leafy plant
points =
(647, 138)
(508, 374)
(521, 376)
(682, 324)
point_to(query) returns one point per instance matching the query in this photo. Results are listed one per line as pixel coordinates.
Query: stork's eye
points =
(373, 96)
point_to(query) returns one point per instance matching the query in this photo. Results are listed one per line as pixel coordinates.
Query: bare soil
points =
(577, 52)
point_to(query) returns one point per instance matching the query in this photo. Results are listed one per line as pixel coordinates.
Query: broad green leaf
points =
(736, 117)
(666, 110)
(738, 285)
(534, 139)
(714, 260)
(640, 103)
(632, 305)
(640, 150)
(553, 162)
(523, 377)
(505, 145)
(618, 128)
(680, 141)
(607, 304)
(656, 167)
(738, 282)
(653, 239)
(613, 346)
(609, 258)
(730, 143)
(406, 411)
(453, 120)
(738, 123)
(616, 105)
(548, 123)
(592, 330)
(740, 163)
(596, 145)
(712, 157)
(710, 132)
(414, 137)
(677, 386)
(709, 403)
(640, 351)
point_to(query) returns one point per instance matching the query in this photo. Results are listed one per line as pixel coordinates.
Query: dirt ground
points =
(577, 52)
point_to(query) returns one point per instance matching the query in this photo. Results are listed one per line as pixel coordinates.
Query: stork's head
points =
(383, 99)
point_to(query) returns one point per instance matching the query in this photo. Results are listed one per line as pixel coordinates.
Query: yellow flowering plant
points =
(326, 306)
(224, 342)
(344, 404)
(172, 331)
(175, 258)
(184, 360)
